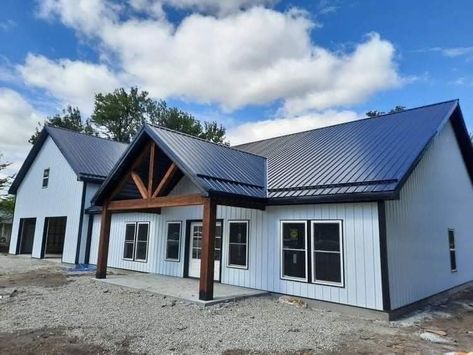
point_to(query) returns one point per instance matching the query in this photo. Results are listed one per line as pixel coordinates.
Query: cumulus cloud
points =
(74, 82)
(256, 56)
(253, 131)
(17, 123)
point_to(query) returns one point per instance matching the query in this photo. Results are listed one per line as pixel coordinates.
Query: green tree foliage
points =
(70, 119)
(4, 180)
(376, 113)
(7, 205)
(120, 114)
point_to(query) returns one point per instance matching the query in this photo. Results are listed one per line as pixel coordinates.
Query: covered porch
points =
(149, 170)
(182, 288)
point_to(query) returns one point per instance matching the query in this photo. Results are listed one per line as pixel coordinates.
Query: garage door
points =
(55, 234)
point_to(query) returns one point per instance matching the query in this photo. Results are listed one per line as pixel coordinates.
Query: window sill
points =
(172, 260)
(239, 267)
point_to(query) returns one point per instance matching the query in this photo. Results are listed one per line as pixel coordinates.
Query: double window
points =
(136, 241)
(452, 249)
(238, 244)
(317, 251)
(173, 241)
(45, 178)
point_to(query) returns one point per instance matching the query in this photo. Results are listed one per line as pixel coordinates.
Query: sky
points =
(261, 68)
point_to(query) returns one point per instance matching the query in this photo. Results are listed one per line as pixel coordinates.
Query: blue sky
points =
(261, 67)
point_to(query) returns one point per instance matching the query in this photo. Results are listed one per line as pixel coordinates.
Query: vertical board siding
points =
(91, 189)
(360, 243)
(62, 197)
(437, 196)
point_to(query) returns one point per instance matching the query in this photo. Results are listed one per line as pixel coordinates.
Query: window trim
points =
(135, 241)
(292, 278)
(341, 252)
(45, 178)
(166, 258)
(454, 249)
(235, 266)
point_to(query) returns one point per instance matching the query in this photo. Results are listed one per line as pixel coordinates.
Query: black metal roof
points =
(92, 158)
(364, 159)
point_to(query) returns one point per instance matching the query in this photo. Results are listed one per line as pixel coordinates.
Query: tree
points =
(119, 115)
(70, 119)
(7, 205)
(4, 180)
(376, 113)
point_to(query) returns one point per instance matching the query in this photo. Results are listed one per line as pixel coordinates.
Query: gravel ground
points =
(114, 319)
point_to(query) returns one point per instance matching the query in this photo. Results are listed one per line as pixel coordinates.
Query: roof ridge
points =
(83, 134)
(348, 122)
(203, 140)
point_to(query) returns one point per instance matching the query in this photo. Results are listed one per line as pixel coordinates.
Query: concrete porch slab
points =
(183, 288)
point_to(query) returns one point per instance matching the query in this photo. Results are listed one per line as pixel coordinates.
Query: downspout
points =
(81, 220)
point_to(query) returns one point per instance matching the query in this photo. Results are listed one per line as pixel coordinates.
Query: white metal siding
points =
(62, 197)
(436, 197)
(360, 239)
(90, 191)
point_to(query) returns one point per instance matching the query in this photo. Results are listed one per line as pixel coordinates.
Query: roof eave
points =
(336, 198)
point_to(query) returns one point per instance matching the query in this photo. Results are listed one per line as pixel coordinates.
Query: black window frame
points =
(136, 241)
(314, 251)
(452, 250)
(45, 181)
(306, 250)
(247, 244)
(167, 258)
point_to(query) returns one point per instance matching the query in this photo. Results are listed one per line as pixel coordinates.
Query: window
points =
(238, 244)
(294, 250)
(327, 258)
(45, 178)
(136, 241)
(173, 240)
(453, 252)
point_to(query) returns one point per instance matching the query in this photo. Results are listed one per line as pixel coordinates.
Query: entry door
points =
(27, 228)
(55, 235)
(196, 249)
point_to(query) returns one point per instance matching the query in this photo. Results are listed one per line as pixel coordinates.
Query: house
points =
(372, 213)
(53, 189)
(5, 230)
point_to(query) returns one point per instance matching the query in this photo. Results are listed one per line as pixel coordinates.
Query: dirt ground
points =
(45, 309)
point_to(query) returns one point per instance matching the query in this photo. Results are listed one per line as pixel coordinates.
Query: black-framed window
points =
(294, 250)
(238, 244)
(327, 252)
(45, 178)
(452, 250)
(136, 241)
(173, 240)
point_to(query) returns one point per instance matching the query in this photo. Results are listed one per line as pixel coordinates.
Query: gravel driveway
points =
(78, 314)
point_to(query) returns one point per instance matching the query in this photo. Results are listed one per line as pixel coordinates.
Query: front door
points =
(196, 249)
(27, 228)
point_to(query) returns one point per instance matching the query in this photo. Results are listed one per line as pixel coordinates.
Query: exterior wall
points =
(360, 239)
(90, 191)
(437, 196)
(62, 197)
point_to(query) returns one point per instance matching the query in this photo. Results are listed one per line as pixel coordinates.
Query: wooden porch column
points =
(206, 287)
(103, 242)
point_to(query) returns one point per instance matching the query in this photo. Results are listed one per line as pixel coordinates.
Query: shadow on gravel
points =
(39, 278)
(45, 341)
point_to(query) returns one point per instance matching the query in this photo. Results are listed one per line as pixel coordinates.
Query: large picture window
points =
(136, 241)
(238, 244)
(173, 240)
(294, 250)
(327, 256)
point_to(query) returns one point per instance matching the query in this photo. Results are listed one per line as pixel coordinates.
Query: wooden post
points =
(103, 243)
(206, 287)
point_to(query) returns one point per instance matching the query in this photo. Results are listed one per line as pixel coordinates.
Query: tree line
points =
(120, 114)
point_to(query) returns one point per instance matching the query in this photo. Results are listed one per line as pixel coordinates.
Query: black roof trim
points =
(329, 186)
(336, 198)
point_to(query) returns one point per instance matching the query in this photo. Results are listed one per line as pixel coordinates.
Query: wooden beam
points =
(127, 174)
(157, 202)
(152, 154)
(164, 183)
(102, 257)
(139, 184)
(206, 282)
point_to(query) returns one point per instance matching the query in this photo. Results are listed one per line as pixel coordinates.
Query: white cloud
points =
(451, 52)
(73, 82)
(17, 124)
(7, 25)
(256, 56)
(253, 131)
